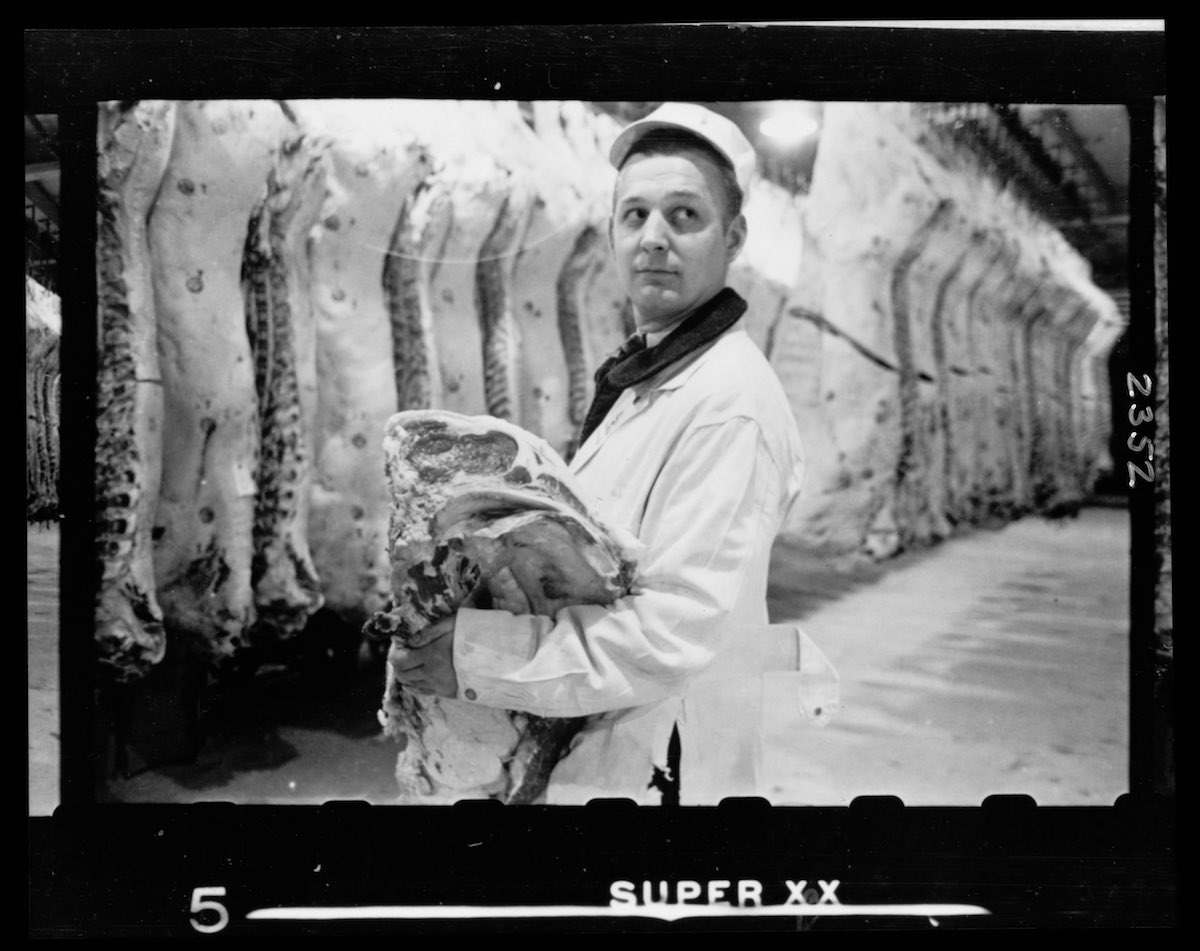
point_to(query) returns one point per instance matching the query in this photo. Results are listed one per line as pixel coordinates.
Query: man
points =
(690, 444)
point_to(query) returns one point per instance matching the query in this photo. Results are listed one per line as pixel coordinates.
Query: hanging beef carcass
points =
(374, 165)
(483, 514)
(43, 327)
(134, 143)
(204, 548)
(282, 333)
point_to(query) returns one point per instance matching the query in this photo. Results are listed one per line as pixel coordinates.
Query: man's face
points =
(668, 236)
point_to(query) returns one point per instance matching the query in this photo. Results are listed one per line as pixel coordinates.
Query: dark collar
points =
(710, 320)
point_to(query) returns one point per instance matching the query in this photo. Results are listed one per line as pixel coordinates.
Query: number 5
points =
(1142, 440)
(199, 905)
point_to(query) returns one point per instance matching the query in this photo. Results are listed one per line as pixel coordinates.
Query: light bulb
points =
(788, 128)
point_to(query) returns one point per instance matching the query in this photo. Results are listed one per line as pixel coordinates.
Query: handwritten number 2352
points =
(1139, 417)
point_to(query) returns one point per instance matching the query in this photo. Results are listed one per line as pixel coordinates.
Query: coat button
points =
(469, 694)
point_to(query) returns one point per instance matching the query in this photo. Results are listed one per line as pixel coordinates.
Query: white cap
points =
(719, 132)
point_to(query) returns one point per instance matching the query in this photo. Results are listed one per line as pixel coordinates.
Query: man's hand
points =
(428, 665)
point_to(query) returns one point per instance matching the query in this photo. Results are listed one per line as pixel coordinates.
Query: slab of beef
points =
(134, 145)
(484, 514)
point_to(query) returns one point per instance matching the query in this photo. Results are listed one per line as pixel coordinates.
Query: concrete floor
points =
(996, 662)
(41, 596)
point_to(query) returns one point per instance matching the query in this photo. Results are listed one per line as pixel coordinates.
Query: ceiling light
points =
(788, 126)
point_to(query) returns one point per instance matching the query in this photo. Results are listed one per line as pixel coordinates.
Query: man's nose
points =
(654, 233)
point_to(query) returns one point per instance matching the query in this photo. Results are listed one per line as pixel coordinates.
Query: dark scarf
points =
(634, 362)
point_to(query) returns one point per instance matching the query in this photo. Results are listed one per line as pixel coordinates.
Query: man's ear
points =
(735, 238)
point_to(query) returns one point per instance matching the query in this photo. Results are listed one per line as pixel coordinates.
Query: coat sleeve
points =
(712, 513)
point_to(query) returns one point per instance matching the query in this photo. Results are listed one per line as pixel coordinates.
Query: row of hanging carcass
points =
(276, 279)
(43, 396)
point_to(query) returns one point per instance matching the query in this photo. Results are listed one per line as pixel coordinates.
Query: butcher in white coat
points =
(691, 445)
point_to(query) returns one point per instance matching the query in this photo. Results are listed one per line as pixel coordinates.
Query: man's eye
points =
(635, 214)
(685, 214)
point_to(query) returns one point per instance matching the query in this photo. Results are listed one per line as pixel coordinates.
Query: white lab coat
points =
(701, 463)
